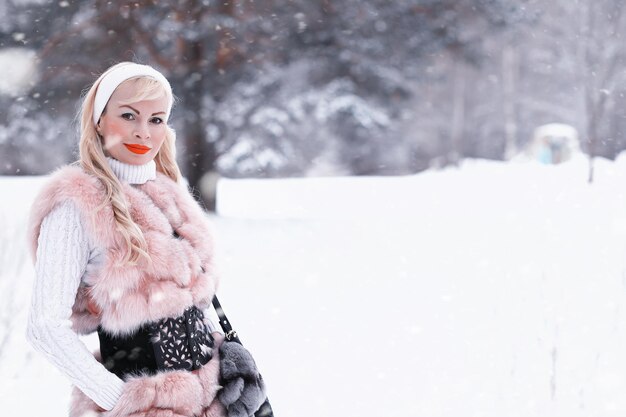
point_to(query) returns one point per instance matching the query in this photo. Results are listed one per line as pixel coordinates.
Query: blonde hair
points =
(93, 161)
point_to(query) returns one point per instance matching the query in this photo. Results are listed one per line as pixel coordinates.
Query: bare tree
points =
(600, 55)
(510, 69)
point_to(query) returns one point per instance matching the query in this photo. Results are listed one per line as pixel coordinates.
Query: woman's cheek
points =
(117, 130)
(159, 138)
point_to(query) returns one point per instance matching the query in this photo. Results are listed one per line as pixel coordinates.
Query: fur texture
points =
(166, 394)
(244, 390)
(181, 274)
(121, 298)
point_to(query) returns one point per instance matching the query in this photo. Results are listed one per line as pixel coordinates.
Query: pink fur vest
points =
(121, 298)
(181, 273)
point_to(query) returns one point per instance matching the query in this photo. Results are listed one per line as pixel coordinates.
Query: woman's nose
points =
(142, 132)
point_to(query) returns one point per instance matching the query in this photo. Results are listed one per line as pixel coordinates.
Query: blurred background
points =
(291, 88)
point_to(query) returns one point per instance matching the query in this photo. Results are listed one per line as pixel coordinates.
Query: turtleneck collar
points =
(133, 174)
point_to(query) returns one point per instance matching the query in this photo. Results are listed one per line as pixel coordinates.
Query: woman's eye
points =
(156, 120)
(128, 116)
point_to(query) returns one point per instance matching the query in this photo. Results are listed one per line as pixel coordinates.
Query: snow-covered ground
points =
(491, 289)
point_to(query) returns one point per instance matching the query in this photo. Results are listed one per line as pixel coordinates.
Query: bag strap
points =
(229, 333)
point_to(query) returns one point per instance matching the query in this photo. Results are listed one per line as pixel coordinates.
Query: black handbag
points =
(230, 336)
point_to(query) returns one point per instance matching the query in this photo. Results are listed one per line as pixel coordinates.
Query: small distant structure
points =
(554, 143)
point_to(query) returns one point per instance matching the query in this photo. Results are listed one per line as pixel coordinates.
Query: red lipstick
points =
(135, 148)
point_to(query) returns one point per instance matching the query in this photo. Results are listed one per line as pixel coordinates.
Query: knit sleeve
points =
(62, 256)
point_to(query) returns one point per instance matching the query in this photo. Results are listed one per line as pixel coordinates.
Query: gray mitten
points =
(243, 390)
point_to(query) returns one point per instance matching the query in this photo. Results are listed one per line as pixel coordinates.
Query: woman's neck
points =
(133, 174)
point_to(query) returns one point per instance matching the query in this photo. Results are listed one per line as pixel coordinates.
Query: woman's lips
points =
(134, 148)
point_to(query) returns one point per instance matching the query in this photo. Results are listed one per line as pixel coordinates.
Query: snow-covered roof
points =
(556, 129)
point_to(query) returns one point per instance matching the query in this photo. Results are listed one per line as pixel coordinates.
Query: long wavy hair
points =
(93, 161)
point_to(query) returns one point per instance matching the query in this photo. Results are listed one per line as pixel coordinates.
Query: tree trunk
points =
(458, 113)
(194, 159)
(509, 65)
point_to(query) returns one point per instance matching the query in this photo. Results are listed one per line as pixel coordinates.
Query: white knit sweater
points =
(63, 253)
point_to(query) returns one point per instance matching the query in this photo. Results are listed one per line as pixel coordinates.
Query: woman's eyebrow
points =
(138, 112)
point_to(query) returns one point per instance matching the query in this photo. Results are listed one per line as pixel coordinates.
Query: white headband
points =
(118, 75)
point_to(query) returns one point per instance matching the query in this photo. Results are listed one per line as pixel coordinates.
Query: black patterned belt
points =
(181, 343)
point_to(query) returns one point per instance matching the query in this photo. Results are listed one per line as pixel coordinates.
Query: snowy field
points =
(491, 289)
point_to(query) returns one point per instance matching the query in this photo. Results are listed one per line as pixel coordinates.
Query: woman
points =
(121, 248)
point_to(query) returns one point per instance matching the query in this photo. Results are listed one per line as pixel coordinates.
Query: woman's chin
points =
(135, 159)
